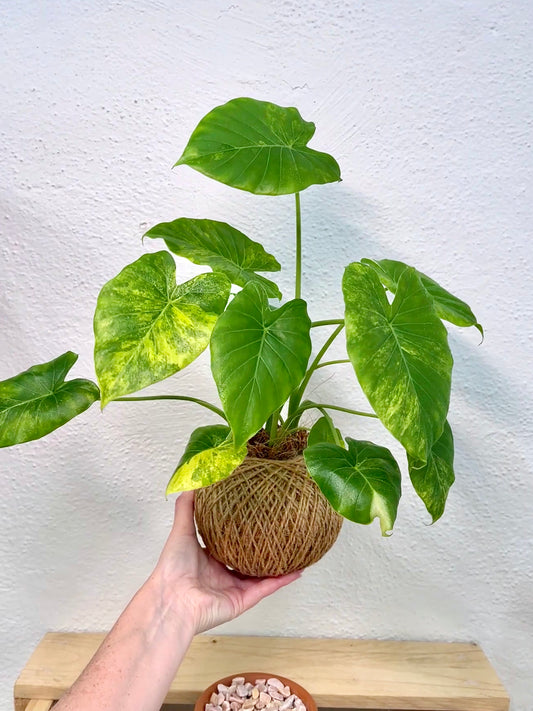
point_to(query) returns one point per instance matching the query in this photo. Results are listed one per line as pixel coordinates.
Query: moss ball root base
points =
(267, 518)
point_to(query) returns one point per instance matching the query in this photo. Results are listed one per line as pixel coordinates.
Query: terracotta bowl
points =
(295, 688)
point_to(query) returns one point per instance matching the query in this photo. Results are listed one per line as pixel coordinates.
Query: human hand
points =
(197, 584)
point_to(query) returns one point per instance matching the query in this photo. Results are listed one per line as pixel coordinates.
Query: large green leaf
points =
(38, 401)
(400, 354)
(209, 456)
(432, 480)
(147, 327)
(221, 247)
(361, 483)
(447, 306)
(258, 357)
(259, 147)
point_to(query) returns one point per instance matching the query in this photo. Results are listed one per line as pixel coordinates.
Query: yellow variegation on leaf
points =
(209, 456)
(147, 327)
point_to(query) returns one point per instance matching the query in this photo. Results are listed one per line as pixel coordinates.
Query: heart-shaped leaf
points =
(259, 147)
(400, 354)
(361, 483)
(38, 401)
(221, 247)
(258, 357)
(432, 480)
(147, 327)
(209, 456)
(447, 306)
(324, 431)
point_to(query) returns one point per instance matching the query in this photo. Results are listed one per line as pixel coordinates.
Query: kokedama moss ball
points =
(269, 517)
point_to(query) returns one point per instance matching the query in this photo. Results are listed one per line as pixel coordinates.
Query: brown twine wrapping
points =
(267, 518)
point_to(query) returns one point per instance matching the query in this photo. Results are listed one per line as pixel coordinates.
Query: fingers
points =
(256, 590)
(184, 515)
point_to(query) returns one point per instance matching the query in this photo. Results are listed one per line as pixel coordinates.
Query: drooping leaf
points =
(147, 327)
(361, 483)
(38, 400)
(447, 306)
(324, 431)
(259, 147)
(209, 456)
(258, 356)
(432, 480)
(221, 247)
(400, 354)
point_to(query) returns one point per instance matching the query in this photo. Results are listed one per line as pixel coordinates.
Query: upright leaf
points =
(209, 456)
(361, 483)
(400, 354)
(324, 431)
(258, 357)
(447, 306)
(259, 147)
(432, 480)
(147, 327)
(38, 401)
(221, 247)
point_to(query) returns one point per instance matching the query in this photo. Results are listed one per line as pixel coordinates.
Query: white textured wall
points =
(427, 106)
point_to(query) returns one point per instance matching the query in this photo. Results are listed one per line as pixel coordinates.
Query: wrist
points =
(172, 606)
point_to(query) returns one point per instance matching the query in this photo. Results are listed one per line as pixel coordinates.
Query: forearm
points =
(138, 659)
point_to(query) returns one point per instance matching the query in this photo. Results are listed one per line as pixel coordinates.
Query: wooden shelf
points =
(339, 673)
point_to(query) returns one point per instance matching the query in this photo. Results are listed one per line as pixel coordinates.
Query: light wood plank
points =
(40, 705)
(339, 673)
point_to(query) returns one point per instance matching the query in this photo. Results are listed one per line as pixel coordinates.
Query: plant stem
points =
(273, 426)
(314, 364)
(340, 409)
(327, 322)
(332, 362)
(321, 406)
(298, 276)
(208, 405)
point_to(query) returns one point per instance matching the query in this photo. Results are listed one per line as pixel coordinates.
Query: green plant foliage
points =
(259, 147)
(447, 306)
(361, 483)
(400, 354)
(324, 431)
(209, 456)
(258, 357)
(221, 247)
(147, 327)
(38, 401)
(432, 480)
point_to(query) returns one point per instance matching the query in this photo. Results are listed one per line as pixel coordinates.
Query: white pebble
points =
(276, 683)
(274, 693)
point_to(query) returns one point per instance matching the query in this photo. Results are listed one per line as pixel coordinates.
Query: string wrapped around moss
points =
(269, 517)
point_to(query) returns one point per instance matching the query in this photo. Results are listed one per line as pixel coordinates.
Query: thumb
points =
(184, 515)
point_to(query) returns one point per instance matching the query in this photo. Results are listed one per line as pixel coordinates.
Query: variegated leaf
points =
(147, 327)
(209, 456)
(400, 354)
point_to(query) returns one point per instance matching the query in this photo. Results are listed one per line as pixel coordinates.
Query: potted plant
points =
(272, 492)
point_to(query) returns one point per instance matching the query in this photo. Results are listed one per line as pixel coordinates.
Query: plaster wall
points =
(427, 106)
